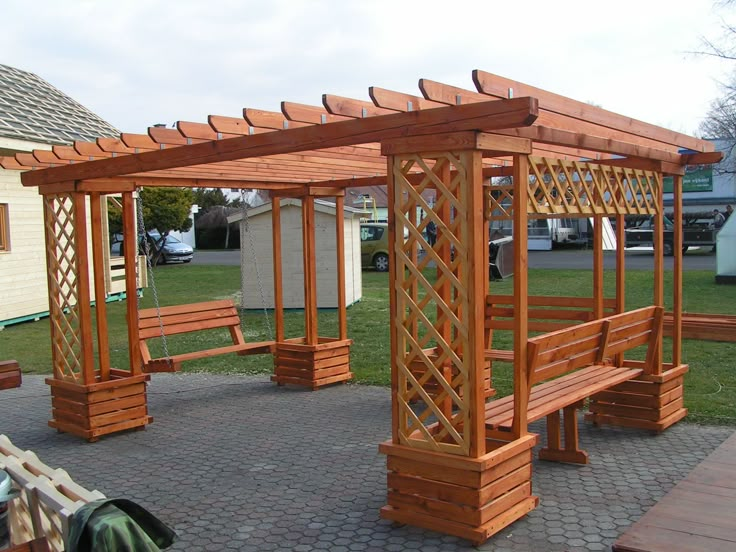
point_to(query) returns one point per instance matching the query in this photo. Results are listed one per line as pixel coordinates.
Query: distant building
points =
(33, 115)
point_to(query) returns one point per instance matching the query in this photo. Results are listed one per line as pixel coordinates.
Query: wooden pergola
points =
(457, 462)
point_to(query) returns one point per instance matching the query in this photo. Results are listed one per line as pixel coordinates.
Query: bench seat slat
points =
(549, 397)
(541, 391)
(254, 348)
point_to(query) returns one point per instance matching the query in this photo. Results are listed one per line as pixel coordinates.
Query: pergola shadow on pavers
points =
(457, 463)
(234, 463)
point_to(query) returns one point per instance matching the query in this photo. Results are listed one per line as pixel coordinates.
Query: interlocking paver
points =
(234, 462)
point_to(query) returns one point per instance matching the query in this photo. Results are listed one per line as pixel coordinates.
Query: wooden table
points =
(698, 515)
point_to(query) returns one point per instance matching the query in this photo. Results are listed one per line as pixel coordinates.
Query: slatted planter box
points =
(90, 411)
(646, 402)
(312, 366)
(471, 498)
(9, 374)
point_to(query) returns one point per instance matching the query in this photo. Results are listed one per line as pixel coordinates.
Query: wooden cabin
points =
(34, 116)
(458, 461)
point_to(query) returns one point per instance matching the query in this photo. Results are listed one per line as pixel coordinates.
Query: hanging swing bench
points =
(194, 317)
(162, 322)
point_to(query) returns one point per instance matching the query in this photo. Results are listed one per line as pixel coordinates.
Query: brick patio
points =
(234, 462)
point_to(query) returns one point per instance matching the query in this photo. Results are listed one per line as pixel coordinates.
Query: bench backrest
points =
(187, 318)
(557, 353)
(545, 313)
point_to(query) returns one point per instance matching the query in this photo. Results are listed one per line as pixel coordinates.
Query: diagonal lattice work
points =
(574, 188)
(431, 327)
(60, 224)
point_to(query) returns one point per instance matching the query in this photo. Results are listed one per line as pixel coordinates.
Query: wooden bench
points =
(9, 374)
(566, 366)
(545, 314)
(193, 317)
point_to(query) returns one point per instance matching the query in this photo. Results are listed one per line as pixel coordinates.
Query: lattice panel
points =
(569, 188)
(61, 260)
(559, 188)
(431, 328)
(498, 199)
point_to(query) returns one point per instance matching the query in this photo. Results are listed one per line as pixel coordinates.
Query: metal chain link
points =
(246, 228)
(149, 265)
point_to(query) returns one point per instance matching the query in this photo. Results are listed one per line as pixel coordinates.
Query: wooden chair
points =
(193, 317)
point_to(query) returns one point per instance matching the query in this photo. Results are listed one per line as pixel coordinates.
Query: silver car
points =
(173, 250)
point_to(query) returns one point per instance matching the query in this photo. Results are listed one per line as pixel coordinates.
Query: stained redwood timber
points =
(497, 86)
(647, 402)
(472, 498)
(325, 362)
(91, 411)
(486, 116)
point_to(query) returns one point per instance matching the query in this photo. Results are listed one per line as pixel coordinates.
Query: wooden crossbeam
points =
(316, 115)
(497, 86)
(551, 128)
(485, 116)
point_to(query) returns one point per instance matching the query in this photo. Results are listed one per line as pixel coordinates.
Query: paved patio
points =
(234, 462)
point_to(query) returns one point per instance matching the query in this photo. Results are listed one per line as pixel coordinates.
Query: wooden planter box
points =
(9, 374)
(91, 411)
(647, 402)
(471, 498)
(312, 366)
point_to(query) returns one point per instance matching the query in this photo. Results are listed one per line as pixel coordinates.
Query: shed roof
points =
(320, 205)
(31, 109)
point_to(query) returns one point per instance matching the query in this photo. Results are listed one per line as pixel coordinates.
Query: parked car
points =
(374, 245)
(173, 249)
(697, 231)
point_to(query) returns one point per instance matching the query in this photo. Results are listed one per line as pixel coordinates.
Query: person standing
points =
(718, 219)
(729, 210)
(431, 233)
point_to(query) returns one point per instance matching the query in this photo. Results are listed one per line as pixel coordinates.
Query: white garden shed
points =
(256, 255)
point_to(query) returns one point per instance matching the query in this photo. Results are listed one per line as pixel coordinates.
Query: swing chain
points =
(246, 228)
(149, 265)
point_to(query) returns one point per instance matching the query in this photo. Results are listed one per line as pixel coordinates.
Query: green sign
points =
(696, 179)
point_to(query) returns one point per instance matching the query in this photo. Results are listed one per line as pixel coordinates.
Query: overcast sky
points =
(137, 63)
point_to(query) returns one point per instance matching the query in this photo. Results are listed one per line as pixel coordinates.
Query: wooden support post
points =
(443, 212)
(310, 271)
(521, 299)
(658, 238)
(476, 306)
(394, 281)
(278, 283)
(83, 306)
(677, 275)
(98, 259)
(620, 272)
(130, 254)
(598, 267)
(342, 315)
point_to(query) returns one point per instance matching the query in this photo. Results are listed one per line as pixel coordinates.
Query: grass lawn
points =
(710, 385)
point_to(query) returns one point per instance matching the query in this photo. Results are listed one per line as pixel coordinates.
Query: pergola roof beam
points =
(497, 86)
(452, 95)
(400, 101)
(487, 116)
